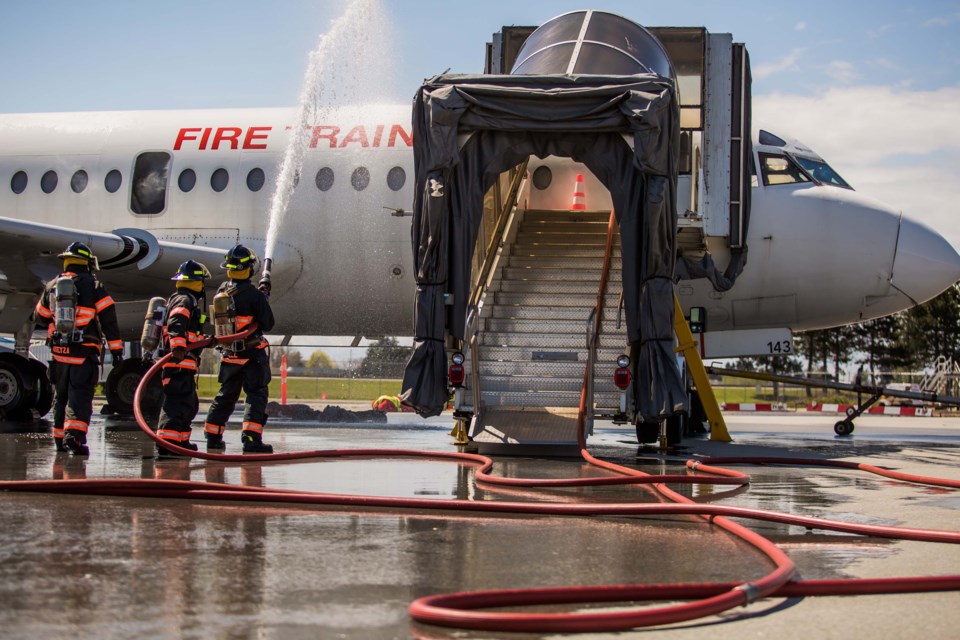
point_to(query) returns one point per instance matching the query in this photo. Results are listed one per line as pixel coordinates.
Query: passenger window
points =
(187, 180)
(79, 181)
(18, 183)
(256, 179)
(777, 169)
(219, 180)
(325, 179)
(149, 193)
(48, 182)
(396, 178)
(360, 178)
(112, 181)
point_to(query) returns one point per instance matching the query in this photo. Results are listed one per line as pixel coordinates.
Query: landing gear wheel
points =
(675, 426)
(44, 396)
(121, 386)
(648, 432)
(697, 422)
(843, 428)
(13, 391)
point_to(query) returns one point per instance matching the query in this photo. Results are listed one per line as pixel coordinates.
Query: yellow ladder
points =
(687, 345)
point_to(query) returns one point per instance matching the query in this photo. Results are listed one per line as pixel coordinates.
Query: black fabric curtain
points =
(510, 118)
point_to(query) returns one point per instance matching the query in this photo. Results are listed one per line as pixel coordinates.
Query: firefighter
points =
(184, 324)
(78, 313)
(245, 366)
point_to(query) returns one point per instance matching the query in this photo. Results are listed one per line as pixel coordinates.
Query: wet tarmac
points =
(125, 567)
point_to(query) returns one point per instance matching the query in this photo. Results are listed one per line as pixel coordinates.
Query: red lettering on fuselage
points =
(237, 138)
(397, 130)
(227, 134)
(324, 132)
(256, 133)
(357, 134)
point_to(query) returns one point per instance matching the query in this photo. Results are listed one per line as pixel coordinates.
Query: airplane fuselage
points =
(819, 255)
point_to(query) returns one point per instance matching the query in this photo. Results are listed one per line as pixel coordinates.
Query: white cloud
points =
(784, 64)
(800, 26)
(842, 71)
(889, 142)
(867, 124)
(879, 31)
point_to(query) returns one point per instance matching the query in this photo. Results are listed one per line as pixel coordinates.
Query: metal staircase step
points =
(553, 354)
(490, 369)
(577, 275)
(531, 250)
(543, 399)
(540, 312)
(582, 300)
(534, 340)
(558, 287)
(560, 262)
(536, 216)
(528, 384)
(586, 235)
(576, 326)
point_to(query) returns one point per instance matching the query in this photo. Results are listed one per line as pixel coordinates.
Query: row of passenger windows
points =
(151, 170)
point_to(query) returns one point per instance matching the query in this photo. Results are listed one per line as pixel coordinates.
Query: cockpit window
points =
(768, 139)
(822, 172)
(777, 169)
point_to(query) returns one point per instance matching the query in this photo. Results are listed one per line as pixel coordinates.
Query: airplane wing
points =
(134, 266)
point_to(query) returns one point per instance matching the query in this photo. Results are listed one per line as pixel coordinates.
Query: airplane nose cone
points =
(925, 263)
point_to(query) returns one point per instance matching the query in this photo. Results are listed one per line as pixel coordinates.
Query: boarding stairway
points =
(531, 337)
(945, 374)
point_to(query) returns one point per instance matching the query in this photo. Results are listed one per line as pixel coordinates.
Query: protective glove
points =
(264, 287)
(117, 357)
(178, 354)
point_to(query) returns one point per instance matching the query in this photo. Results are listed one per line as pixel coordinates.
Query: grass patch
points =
(316, 388)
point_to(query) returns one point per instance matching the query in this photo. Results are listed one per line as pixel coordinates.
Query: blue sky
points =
(873, 86)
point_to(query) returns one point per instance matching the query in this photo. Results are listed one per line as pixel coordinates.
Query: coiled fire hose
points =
(467, 609)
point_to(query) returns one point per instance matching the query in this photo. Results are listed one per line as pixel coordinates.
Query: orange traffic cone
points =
(579, 197)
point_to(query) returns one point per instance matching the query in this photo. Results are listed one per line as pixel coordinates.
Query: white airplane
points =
(148, 190)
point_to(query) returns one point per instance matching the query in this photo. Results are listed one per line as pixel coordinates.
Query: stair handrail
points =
(594, 322)
(470, 332)
(505, 206)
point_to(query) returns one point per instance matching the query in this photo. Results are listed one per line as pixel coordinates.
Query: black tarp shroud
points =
(510, 118)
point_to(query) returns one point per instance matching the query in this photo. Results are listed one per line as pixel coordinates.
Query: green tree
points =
(782, 365)
(294, 358)
(385, 359)
(880, 341)
(932, 329)
(319, 360)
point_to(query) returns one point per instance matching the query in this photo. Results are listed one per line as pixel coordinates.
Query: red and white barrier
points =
(752, 406)
(887, 411)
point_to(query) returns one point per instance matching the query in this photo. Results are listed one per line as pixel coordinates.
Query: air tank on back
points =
(592, 42)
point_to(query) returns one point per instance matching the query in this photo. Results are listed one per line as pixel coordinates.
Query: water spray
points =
(327, 80)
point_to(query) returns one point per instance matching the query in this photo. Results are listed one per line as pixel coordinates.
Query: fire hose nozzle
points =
(265, 285)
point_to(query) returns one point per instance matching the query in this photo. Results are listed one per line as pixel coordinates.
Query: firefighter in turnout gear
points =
(245, 365)
(185, 318)
(78, 314)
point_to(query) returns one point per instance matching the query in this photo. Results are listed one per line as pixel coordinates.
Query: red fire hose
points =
(464, 610)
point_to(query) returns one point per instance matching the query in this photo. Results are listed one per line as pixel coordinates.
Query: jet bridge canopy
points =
(507, 119)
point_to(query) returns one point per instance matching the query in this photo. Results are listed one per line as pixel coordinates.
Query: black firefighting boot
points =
(76, 443)
(58, 442)
(215, 443)
(253, 443)
(167, 453)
